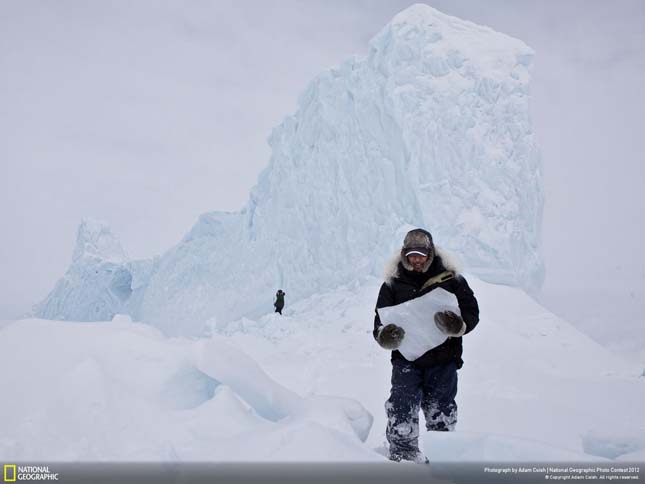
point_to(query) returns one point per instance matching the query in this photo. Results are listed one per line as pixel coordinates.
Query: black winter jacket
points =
(405, 285)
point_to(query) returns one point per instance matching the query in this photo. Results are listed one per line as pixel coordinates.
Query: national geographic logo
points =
(13, 473)
(9, 473)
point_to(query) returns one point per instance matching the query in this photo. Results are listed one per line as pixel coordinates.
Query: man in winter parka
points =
(428, 383)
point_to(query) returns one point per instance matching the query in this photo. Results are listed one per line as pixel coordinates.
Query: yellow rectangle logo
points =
(6, 473)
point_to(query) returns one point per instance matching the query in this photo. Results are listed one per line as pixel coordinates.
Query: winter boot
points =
(417, 457)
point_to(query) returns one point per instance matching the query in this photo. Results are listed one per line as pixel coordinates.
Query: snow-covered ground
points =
(309, 386)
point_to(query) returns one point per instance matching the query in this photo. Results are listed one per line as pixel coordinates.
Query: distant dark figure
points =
(279, 301)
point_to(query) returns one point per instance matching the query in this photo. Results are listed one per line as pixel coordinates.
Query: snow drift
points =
(310, 386)
(122, 391)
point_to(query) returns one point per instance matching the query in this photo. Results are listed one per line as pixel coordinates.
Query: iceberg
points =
(430, 129)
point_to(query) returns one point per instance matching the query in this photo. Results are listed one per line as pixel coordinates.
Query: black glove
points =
(449, 323)
(390, 336)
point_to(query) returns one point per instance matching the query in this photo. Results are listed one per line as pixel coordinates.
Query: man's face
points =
(417, 261)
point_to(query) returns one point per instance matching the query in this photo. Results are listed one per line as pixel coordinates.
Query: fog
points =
(147, 114)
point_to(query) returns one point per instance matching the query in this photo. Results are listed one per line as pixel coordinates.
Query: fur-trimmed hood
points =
(448, 259)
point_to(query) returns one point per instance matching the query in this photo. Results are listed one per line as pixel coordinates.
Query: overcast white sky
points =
(149, 113)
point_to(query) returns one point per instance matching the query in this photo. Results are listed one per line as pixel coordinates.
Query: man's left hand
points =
(450, 323)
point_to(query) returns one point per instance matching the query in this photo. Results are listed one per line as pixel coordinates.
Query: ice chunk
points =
(97, 285)
(416, 317)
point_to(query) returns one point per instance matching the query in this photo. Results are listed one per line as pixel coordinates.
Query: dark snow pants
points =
(432, 390)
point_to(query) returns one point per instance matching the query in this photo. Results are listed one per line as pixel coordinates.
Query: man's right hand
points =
(390, 336)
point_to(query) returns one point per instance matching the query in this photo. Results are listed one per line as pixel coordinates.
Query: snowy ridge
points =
(430, 129)
(310, 386)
